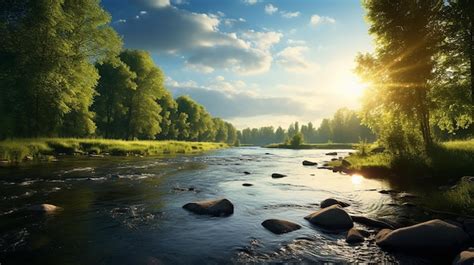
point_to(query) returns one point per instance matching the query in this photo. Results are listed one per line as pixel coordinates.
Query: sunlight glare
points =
(352, 85)
(357, 179)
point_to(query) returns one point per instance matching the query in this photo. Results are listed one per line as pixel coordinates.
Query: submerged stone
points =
(220, 207)
(329, 202)
(309, 163)
(278, 175)
(280, 226)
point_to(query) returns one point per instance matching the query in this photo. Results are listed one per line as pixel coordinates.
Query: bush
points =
(297, 140)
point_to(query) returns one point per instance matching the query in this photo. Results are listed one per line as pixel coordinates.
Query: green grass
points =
(315, 146)
(455, 159)
(459, 199)
(18, 150)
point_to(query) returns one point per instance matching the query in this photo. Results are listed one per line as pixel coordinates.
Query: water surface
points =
(128, 210)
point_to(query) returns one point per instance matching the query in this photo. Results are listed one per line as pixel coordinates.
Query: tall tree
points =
(143, 117)
(47, 75)
(406, 42)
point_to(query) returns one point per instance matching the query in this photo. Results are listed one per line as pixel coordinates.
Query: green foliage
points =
(297, 139)
(41, 148)
(344, 127)
(47, 76)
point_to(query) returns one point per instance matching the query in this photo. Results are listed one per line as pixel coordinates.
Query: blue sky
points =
(252, 62)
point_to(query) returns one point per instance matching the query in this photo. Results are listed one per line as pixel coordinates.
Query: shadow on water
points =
(128, 210)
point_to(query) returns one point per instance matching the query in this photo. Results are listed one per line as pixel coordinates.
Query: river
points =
(129, 210)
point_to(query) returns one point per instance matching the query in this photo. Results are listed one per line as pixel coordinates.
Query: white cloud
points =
(250, 2)
(157, 3)
(287, 14)
(296, 42)
(317, 20)
(270, 9)
(197, 37)
(292, 59)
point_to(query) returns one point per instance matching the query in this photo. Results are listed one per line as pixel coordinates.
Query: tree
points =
(116, 85)
(297, 140)
(47, 75)
(231, 134)
(406, 42)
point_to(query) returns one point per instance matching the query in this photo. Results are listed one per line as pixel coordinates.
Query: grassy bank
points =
(315, 146)
(18, 150)
(447, 164)
(453, 159)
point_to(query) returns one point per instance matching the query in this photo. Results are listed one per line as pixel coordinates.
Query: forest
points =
(64, 73)
(344, 127)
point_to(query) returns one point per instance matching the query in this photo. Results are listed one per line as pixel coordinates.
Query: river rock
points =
(280, 226)
(331, 154)
(332, 217)
(329, 202)
(371, 222)
(44, 208)
(345, 163)
(434, 235)
(246, 173)
(309, 163)
(247, 184)
(220, 207)
(354, 236)
(465, 258)
(278, 175)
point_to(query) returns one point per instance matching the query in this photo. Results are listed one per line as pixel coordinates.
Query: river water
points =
(129, 210)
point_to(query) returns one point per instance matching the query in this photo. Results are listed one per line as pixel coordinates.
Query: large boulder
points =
(465, 258)
(280, 226)
(371, 222)
(434, 235)
(44, 208)
(278, 175)
(330, 202)
(309, 163)
(220, 207)
(332, 217)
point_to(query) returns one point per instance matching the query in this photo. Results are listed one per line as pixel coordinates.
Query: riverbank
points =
(449, 164)
(315, 146)
(18, 150)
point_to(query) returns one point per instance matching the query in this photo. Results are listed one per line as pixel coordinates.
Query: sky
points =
(252, 62)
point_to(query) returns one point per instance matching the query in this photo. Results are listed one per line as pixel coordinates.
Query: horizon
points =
(296, 64)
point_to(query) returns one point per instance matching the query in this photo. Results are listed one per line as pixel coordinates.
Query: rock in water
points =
(434, 235)
(331, 154)
(278, 176)
(332, 217)
(220, 207)
(247, 184)
(44, 208)
(329, 202)
(309, 163)
(345, 163)
(354, 236)
(371, 222)
(246, 173)
(465, 258)
(280, 226)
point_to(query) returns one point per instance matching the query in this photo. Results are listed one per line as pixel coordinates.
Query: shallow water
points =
(128, 210)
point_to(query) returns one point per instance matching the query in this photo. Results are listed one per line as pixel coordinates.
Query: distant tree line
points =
(421, 75)
(63, 73)
(344, 127)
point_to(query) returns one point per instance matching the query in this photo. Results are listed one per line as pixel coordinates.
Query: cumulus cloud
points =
(287, 14)
(197, 37)
(293, 60)
(317, 20)
(251, 2)
(227, 103)
(270, 9)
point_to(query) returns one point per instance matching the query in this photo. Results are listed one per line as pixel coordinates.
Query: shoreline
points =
(17, 151)
(314, 146)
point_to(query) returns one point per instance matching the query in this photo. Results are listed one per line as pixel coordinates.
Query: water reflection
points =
(128, 210)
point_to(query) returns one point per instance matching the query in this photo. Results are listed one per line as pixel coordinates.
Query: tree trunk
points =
(471, 58)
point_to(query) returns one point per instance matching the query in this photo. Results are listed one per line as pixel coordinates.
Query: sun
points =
(352, 85)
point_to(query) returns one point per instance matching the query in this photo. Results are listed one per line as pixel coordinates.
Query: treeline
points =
(421, 74)
(344, 127)
(63, 73)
